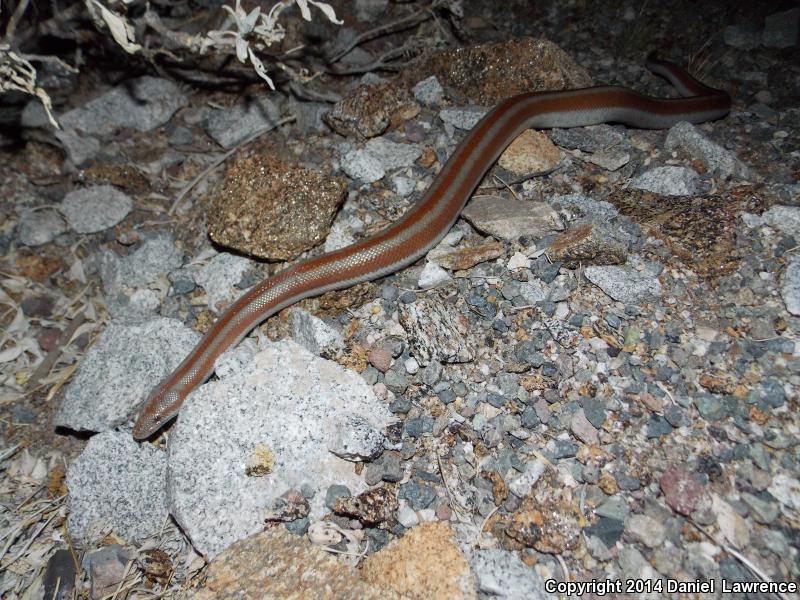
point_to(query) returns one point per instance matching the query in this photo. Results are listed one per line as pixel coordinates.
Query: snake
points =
(424, 224)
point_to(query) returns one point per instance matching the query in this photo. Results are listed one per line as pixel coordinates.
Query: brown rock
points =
(531, 152)
(499, 487)
(424, 564)
(372, 507)
(587, 244)
(489, 73)
(372, 109)
(465, 258)
(276, 565)
(273, 210)
(718, 383)
(546, 522)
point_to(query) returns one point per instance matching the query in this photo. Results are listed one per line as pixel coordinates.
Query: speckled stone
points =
(272, 210)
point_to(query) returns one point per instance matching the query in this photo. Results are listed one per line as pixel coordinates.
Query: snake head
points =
(160, 408)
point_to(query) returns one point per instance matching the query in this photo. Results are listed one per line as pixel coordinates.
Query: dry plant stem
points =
(223, 158)
(380, 63)
(411, 20)
(309, 94)
(742, 558)
(15, 19)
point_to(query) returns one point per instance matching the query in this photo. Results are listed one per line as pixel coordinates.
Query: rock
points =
(96, 208)
(59, 576)
(733, 527)
(668, 181)
(141, 104)
(220, 278)
(530, 152)
(509, 219)
(786, 490)
(436, 332)
(40, 227)
(372, 508)
(231, 126)
(689, 138)
(781, 29)
(790, 288)
(457, 259)
(315, 335)
(118, 372)
(583, 429)
(295, 570)
(588, 245)
(432, 276)
(501, 574)
(624, 284)
(107, 568)
(273, 209)
(425, 563)
(371, 109)
(485, 75)
(682, 492)
(118, 484)
(284, 398)
(139, 269)
(429, 92)
(645, 530)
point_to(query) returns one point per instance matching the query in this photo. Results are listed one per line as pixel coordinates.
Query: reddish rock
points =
(682, 492)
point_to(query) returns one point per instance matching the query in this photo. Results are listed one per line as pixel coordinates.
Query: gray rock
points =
(762, 511)
(378, 155)
(509, 219)
(282, 402)
(363, 166)
(781, 29)
(645, 530)
(689, 138)
(79, 148)
(785, 219)
(432, 276)
(668, 181)
(624, 284)
(615, 507)
(142, 104)
(315, 335)
(116, 484)
(790, 287)
(435, 332)
(119, 371)
(95, 208)
(501, 574)
(463, 117)
(356, 440)
(219, 278)
(429, 92)
(418, 495)
(392, 155)
(40, 227)
(230, 126)
(141, 268)
(744, 37)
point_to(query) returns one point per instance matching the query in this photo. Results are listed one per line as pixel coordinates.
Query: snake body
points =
(424, 225)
